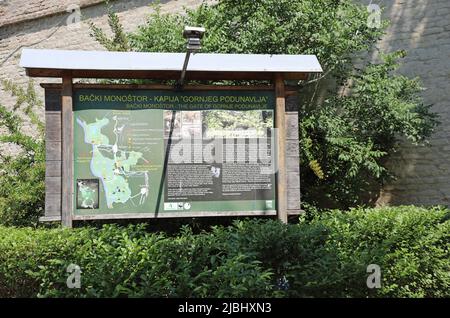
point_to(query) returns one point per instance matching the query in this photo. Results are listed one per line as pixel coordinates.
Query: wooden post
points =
(280, 124)
(66, 151)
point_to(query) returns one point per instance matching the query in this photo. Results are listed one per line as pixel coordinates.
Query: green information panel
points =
(161, 151)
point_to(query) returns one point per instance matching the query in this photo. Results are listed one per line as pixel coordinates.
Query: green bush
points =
(119, 262)
(323, 257)
(411, 245)
(22, 173)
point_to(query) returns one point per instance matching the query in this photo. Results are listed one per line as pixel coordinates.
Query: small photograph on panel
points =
(87, 194)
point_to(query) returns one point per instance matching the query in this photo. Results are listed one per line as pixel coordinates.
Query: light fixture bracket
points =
(193, 36)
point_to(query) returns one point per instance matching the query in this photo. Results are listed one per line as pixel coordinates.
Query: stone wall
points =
(17, 11)
(43, 24)
(422, 28)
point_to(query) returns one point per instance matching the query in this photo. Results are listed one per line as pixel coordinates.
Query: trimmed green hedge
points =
(323, 257)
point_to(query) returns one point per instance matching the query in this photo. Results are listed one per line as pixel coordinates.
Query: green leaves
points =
(352, 134)
(22, 174)
(325, 256)
(409, 244)
(119, 42)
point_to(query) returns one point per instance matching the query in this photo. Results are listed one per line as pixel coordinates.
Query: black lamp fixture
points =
(193, 36)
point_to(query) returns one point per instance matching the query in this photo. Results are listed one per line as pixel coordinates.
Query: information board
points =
(162, 151)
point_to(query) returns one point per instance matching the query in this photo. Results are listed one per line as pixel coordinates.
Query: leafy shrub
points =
(22, 174)
(411, 245)
(119, 262)
(323, 257)
(356, 133)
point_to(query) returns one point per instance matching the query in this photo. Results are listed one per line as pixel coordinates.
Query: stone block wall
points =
(422, 28)
(43, 24)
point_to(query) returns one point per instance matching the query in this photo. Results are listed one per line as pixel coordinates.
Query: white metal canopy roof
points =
(52, 63)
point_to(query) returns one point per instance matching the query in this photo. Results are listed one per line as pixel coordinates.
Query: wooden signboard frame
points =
(59, 106)
(59, 119)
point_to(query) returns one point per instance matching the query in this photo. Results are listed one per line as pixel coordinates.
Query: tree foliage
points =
(22, 174)
(352, 115)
